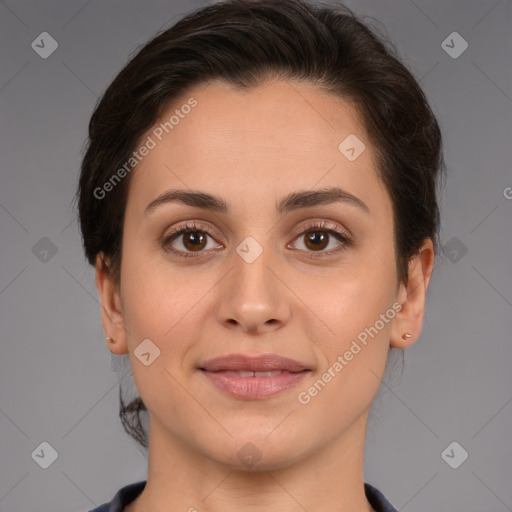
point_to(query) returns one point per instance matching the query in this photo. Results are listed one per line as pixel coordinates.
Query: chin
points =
(258, 452)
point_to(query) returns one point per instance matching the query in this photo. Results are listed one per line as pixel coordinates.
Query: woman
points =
(258, 197)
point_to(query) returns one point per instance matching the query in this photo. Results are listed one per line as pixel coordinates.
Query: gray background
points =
(57, 382)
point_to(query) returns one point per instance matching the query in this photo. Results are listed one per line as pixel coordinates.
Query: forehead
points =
(255, 142)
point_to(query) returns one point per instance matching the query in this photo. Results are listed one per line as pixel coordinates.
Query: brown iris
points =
(317, 240)
(194, 240)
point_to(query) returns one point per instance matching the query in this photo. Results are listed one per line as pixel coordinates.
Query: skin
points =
(253, 148)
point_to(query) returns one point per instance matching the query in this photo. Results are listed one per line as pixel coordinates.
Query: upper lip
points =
(262, 363)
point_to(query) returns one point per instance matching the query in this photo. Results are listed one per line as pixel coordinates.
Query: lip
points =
(231, 374)
(261, 363)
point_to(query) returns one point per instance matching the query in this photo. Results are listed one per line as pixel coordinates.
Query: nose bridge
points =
(252, 297)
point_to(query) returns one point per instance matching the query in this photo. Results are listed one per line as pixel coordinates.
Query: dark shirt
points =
(129, 493)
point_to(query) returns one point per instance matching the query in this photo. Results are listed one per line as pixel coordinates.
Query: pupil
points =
(317, 239)
(195, 238)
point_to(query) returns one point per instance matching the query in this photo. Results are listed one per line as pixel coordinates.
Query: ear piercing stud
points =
(110, 340)
(406, 336)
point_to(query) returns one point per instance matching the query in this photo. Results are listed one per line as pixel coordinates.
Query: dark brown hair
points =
(244, 42)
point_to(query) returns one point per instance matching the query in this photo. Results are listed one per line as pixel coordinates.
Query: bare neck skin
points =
(180, 480)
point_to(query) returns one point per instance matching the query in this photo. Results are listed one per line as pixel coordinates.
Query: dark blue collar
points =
(129, 493)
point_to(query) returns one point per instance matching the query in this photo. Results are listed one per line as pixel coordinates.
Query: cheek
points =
(353, 297)
(166, 305)
(356, 304)
(353, 359)
(163, 308)
(156, 296)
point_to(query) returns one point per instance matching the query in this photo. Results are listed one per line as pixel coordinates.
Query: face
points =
(293, 273)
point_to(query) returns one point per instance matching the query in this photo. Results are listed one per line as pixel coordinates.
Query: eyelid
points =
(326, 225)
(192, 225)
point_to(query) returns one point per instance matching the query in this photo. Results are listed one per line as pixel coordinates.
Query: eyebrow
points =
(293, 201)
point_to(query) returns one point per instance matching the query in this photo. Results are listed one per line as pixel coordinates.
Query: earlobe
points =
(408, 322)
(111, 308)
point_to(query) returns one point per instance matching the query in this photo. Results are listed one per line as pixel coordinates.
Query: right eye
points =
(187, 239)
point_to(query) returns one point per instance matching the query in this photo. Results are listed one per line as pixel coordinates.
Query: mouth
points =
(253, 378)
(250, 373)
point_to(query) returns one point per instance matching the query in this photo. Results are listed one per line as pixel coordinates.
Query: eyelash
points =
(333, 230)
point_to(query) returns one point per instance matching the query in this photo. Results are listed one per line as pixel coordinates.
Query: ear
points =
(412, 297)
(111, 307)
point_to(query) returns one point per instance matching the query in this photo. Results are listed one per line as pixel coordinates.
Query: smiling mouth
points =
(256, 378)
(250, 373)
(249, 377)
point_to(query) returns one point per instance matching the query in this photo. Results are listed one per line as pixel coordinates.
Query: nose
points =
(252, 298)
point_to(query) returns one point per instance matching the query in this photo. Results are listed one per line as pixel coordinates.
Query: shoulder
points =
(377, 499)
(122, 498)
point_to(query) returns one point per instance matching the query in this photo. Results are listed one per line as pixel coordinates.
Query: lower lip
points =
(253, 388)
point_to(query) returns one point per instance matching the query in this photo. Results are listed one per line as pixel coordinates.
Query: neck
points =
(181, 479)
